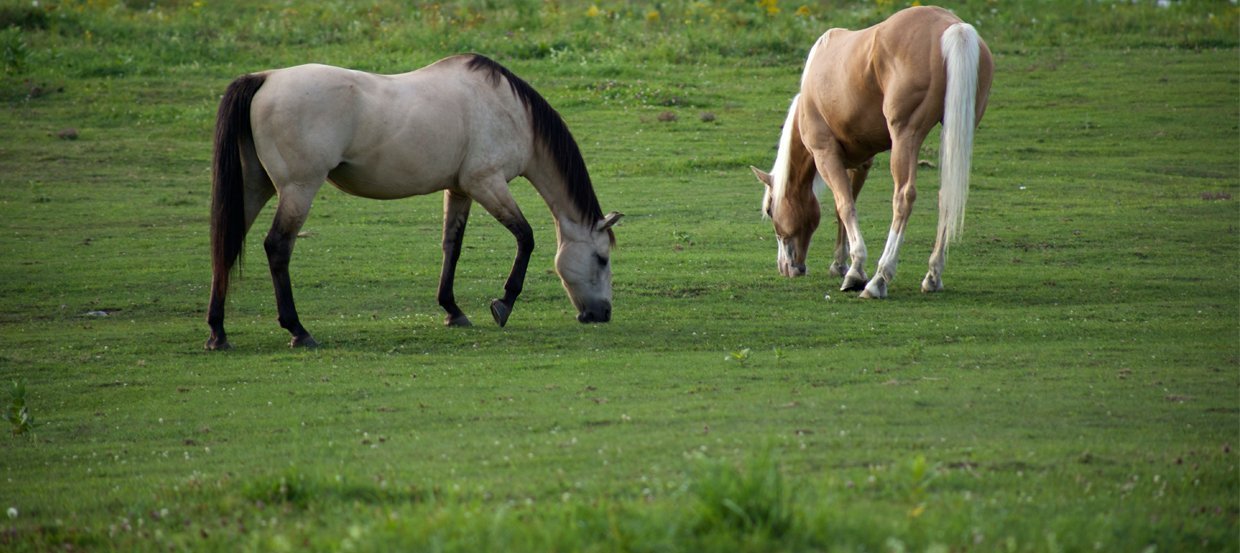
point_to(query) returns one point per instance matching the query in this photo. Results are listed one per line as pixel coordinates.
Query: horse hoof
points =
(931, 284)
(500, 312)
(217, 345)
(837, 270)
(853, 281)
(876, 289)
(303, 342)
(459, 320)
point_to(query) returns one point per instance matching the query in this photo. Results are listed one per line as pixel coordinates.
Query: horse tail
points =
(232, 128)
(960, 45)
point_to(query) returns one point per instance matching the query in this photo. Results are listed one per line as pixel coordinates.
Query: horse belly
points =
(389, 180)
(402, 158)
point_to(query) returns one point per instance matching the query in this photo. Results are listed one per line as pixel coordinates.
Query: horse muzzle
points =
(786, 258)
(792, 269)
(596, 312)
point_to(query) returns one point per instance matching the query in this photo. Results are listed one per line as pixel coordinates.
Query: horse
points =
(862, 93)
(452, 126)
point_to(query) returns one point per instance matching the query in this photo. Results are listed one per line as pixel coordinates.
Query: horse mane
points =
(549, 127)
(783, 161)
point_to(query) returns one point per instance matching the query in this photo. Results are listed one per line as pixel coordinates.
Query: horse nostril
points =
(596, 315)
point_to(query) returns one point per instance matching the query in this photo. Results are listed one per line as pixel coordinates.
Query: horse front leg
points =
(520, 229)
(840, 264)
(840, 181)
(290, 215)
(455, 216)
(493, 195)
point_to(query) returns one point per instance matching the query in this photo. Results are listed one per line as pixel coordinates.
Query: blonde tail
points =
(960, 54)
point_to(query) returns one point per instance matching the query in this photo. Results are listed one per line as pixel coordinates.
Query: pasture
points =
(1075, 387)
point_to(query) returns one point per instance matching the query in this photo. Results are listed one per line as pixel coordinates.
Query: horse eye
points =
(602, 261)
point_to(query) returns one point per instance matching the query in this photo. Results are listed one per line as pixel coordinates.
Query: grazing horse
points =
(465, 125)
(866, 92)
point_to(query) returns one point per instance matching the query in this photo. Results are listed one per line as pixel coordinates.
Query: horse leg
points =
(841, 183)
(291, 212)
(839, 267)
(494, 196)
(904, 172)
(455, 215)
(938, 258)
(839, 263)
(256, 191)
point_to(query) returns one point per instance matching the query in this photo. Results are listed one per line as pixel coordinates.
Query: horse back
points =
(384, 136)
(862, 83)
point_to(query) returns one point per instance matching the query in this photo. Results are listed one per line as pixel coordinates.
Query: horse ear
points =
(611, 219)
(762, 175)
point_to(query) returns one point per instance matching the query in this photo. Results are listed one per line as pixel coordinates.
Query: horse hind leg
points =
(257, 190)
(938, 259)
(455, 215)
(291, 213)
(904, 173)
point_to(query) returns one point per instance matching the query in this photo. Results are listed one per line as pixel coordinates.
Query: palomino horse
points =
(450, 126)
(862, 93)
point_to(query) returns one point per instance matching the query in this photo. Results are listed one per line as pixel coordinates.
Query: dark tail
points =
(232, 125)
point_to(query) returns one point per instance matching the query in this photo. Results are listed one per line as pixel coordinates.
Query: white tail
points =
(960, 54)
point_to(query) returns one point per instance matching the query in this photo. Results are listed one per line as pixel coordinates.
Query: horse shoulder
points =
(495, 124)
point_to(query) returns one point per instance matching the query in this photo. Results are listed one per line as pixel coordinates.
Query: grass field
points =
(1076, 387)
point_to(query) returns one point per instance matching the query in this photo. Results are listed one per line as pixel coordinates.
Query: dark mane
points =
(549, 127)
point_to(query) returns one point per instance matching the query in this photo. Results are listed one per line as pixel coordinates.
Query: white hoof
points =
(932, 283)
(854, 280)
(876, 289)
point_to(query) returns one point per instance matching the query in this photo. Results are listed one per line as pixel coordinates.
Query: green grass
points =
(1077, 387)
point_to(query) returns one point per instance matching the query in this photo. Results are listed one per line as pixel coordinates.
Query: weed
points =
(753, 499)
(915, 350)
(291, 487)
(682, 237)
(19, 412)
(13, 51)
(741, 356)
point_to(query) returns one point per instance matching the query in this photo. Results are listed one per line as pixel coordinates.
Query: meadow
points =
(1075, 388)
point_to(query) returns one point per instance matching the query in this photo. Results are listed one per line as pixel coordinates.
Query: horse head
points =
(583, 261)
(795, 220)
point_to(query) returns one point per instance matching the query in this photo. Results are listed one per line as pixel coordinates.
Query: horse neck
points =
(795, 163)
(547, 179)
(801, 172)
(793, 171)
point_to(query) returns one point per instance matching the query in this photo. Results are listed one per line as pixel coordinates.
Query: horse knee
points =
(279, 248)
(524, 234)
(903, 200)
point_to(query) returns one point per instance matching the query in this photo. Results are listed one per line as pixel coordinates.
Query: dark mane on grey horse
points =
(549, 127)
